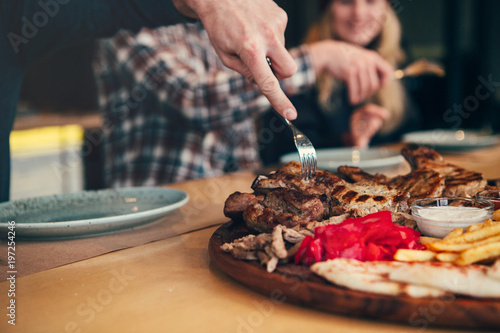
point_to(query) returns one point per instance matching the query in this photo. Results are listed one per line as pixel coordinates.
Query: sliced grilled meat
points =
(458, 181)
(289, 208)
(262, 219)
(359, 199)
(308, 206)
(237, 202)
(355, 174)
(420, 184)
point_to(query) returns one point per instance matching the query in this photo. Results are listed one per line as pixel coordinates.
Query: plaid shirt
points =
(172, 111)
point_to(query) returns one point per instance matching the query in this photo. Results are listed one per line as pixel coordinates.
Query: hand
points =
(365, 122)
(364, 71)
(243, 34)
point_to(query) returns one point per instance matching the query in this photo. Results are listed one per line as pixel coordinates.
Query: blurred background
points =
(60, 92)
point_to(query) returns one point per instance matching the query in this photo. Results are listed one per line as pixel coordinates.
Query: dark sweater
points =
(32, 29)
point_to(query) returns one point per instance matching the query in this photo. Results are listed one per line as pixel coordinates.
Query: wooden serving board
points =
(298, 285)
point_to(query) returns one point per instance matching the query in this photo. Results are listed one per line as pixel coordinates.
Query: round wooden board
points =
(298, 285)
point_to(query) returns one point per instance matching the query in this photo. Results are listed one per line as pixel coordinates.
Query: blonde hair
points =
(387, 44)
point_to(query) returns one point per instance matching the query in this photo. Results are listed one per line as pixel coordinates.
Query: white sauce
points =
(447, 214)
(439, 221)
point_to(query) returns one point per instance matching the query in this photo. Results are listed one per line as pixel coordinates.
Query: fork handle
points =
(286, 121)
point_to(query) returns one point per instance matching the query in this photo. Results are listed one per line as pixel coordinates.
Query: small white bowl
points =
(436, 217)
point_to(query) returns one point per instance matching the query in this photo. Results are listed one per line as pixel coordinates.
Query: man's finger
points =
(269, 85)
(376, 110)
(354, 87)
(283, 64)
(364, 84)
(385, 71)
(234, 63)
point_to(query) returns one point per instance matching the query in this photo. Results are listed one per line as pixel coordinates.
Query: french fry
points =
(468, 237)
(479, 253)
(479, 243)
(496, 215)
(474, 227)
(424, 240)
(488, 223)
(454, 233)
(447, 256)
(459, 247)
(414, 255)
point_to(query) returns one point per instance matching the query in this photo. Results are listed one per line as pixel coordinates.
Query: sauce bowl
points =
(491, 195)
(436, 217)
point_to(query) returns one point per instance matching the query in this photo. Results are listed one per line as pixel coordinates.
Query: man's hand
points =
(365, 122)
(364, 71)
(244, 33)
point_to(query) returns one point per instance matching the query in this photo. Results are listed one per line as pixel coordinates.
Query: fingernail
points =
(290, 114)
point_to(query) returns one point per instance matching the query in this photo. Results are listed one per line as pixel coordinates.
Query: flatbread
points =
(371, 277)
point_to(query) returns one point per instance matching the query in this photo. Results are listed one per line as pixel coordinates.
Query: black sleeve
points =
(39, 27)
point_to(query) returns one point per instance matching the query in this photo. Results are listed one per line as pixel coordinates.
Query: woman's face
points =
(357, 21)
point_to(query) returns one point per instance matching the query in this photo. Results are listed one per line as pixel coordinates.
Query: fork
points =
(419, 67)
(307, 153)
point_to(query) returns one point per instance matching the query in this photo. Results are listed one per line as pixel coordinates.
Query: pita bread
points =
(370, 277)
(471, 280)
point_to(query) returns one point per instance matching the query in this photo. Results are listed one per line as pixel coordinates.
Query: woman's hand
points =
(243, 34)
(364, 71)
(365, 122)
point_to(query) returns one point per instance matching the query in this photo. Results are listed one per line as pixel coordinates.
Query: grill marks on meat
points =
(237, 202)
(289, 208)
(463, 183)
(458, 181)
(307, 206)
(431, 176)
(283, 198)
(420, 184)
(358, 199)
(355, 174)
(279, 206)
(262, 219)
(363, 198)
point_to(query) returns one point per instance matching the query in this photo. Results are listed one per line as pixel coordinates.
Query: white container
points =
(436, 217)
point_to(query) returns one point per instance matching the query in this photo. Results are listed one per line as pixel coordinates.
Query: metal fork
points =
(307, 153)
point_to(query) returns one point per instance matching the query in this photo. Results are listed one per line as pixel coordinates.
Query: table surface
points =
(88, 120)
(170, 285)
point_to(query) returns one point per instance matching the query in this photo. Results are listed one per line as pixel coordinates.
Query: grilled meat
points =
(458, 181)
(359, 199)
(310, 207)
(355, 174)
(262, 219)
(237, 202)
(290, 208)
(283, 198)
(431, 176)
(420, 184)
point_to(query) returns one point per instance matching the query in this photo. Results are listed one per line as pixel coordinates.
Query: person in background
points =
(172, 111)
(243, 33)
(333, 114)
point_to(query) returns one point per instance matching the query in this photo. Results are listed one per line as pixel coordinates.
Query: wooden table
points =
(171, 286)
(88, 120)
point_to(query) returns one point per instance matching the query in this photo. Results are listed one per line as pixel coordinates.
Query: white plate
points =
(88, 213)
(370, 160)
(451, 140)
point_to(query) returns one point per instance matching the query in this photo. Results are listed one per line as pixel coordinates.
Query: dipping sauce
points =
(447, 214)
(437, 217)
